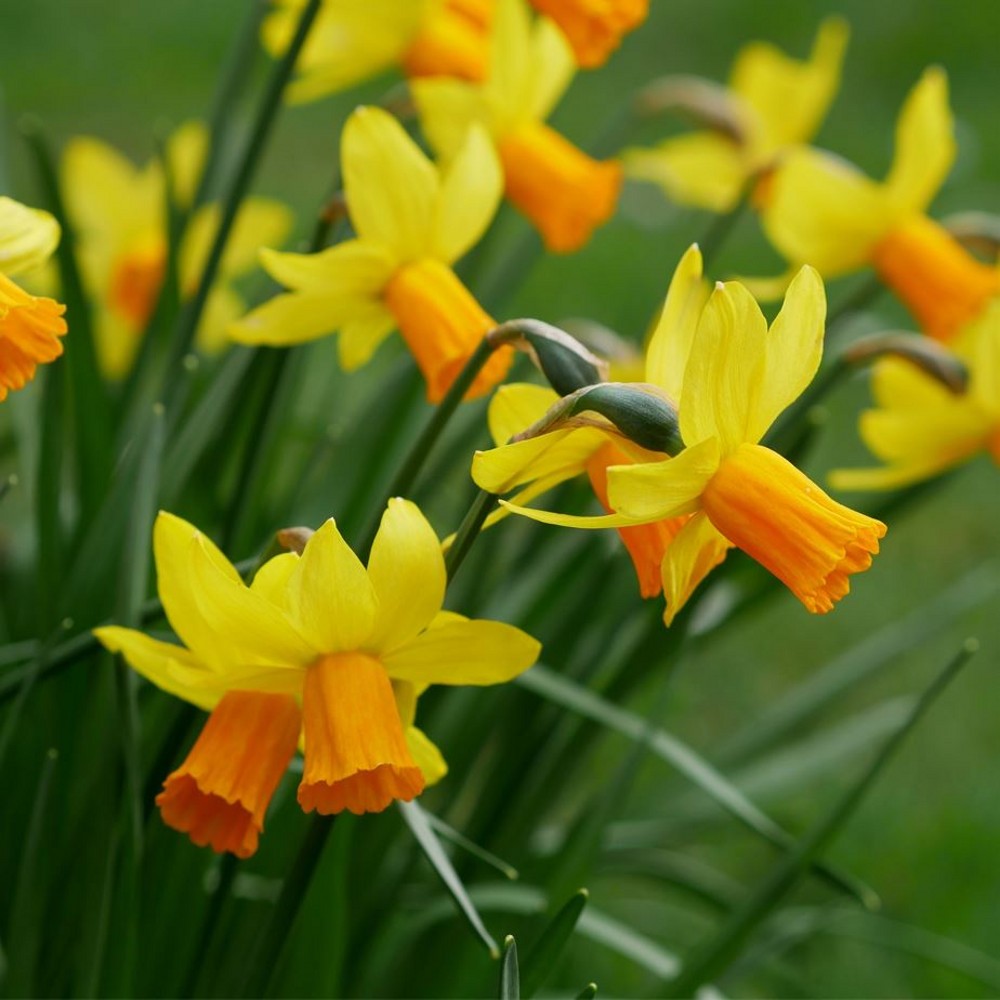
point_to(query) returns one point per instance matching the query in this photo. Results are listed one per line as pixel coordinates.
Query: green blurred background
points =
(927, 838)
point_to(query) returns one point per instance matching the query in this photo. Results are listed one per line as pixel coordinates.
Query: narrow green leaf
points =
(460, 840)
(550, 944)
(713, 958)
(30, 892)
(696, 769)
(510, 986)
(49, 529)
(426, 838)
(588, 992)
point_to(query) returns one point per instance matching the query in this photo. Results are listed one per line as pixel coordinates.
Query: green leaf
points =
(460, 840)
(546, 950)
(426, 838)
(712, 959)
(510, 988)
(695, 768)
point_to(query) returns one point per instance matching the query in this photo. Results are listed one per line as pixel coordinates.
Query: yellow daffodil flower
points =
(821, 210)
(30, 326)
(737, 378)
(119, 212)
(773, 104)
(594, 28)
(919, 428)
(565, 193)
(317, 646)
(413, 221)
(352, 41)
(539, 463)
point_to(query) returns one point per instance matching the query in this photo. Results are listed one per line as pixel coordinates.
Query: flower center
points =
(940, 282)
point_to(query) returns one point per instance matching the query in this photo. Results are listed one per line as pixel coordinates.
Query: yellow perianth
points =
(781, 518)
(453, 42)
(442, 325)
(646, 543)
(564, 192)
(30, 328)
(940, 282)
(219, 795)
(356, 754)
(594, 28)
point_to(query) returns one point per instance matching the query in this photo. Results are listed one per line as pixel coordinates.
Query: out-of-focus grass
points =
(927, 839)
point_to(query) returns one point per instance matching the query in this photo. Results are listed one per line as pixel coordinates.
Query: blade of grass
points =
(551, 942)
(428, 842)
(696, 769)
(510, 986)
(713, 958)
(460, 840)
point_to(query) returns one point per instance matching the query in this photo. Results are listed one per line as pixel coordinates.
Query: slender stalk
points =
(864, 296)
(720, 229)
(713, 959)
(468, 531)
(190, 315)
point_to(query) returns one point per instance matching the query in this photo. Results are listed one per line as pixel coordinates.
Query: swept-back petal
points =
(794, 349)
(515, 407)
(297, 317)
(925, 144)
(448, 109)
(221, 620)
(361, 336)
(656, 490)
(471, 189)
(464, 652)
(820, 210)
(186, 151)
(333, 600)
(426, 756)
(670, 346)
(691, 556)
(406, 569)
(703, 169)
(28, 236)
(552, 68)
(724, 369)
(790, 96)
(390, 185)
(353, 267)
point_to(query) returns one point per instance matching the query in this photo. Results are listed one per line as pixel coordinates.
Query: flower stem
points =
(187, 324)
(719, 230)
(468, 531)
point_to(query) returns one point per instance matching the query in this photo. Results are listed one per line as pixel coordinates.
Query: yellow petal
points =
(298, 317)
(794, 349)
(515, 407)
(702, 169)
(979, 346)
(222, 621)
(587, 522)
(768, 289)
(509, 85)
(790, 97)
(163, 663)
(186, 150)
(390, 185)
(426, 756)
(889, 477)
(562, 452)
(653, 491)
(822, 211)
(955, 429)
(361, 335)
(724, 369)
(471, 189)
(691, 556)
(925, 144)
(551, 67)
(271, 580)
(28, 237)
(353, 267)
(447, 110)
(406, 569)
(334, 601)
(223, 308)
(670, 345)
(464, 652)
(898, 384)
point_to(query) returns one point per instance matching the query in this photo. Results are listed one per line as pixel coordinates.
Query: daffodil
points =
(30, 326)
(319, 648)
(119, 213)
(413, 221)
(738, 376)
(919, 428)
(535, 464)
(594, 28)
(565, 193)
(352, 41)
(773, 105)
(823, 211)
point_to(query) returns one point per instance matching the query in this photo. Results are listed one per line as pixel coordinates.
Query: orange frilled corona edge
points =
(781, 518)
(594, 28)
(30, 328)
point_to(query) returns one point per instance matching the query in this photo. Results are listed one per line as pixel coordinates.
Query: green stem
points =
(719, 230)
(715, 957)
(191, 313)
(468, 531)
(863, 296)
(404, 479)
